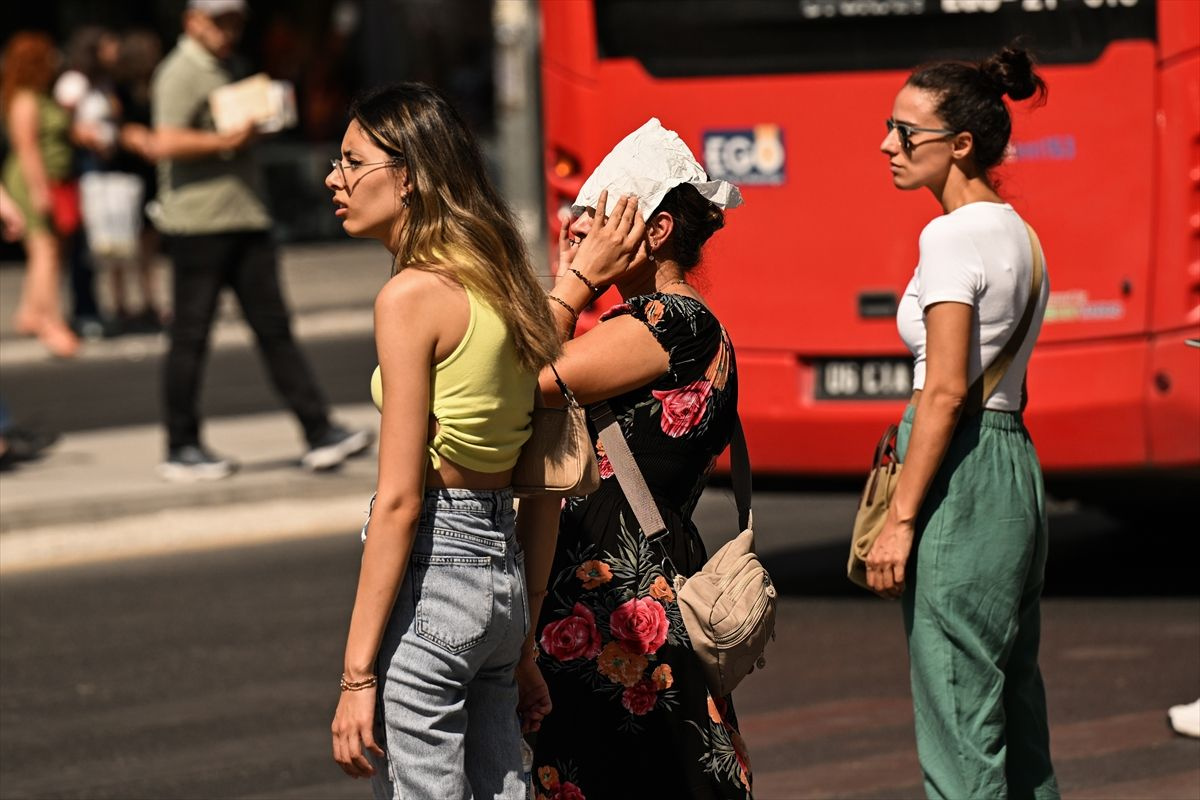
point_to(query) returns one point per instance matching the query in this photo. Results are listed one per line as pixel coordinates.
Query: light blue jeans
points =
(448, 696)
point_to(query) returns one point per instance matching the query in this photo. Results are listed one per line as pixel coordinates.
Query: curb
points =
(180, 530)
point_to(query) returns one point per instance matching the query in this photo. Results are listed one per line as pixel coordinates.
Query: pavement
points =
(96, 494)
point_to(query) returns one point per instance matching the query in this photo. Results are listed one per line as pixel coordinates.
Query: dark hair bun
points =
(1011, 73)
(696, 219)
(714, 220)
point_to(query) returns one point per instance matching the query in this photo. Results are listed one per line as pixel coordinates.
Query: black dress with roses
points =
(632, 716)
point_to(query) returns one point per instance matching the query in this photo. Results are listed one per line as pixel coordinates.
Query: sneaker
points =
(1185, 720)
(92, 329)
(27, 444)
(192, 463)
(334, 447)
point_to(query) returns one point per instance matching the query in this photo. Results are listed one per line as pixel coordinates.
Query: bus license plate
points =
(864, 379)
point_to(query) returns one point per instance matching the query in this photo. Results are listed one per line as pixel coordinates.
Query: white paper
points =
(648, 163)
(269, 105)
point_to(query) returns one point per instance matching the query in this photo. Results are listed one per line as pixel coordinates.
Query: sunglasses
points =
(905, 133)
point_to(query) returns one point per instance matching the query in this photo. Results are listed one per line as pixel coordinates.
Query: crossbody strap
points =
(986, 383)
(633, 483)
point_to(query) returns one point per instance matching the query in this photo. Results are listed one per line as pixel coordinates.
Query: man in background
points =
(212, 206)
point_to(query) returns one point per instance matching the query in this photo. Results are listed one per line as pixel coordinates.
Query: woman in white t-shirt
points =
(964, 545)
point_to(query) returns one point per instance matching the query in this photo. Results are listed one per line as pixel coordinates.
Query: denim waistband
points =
(1000, 420)
(490, 503)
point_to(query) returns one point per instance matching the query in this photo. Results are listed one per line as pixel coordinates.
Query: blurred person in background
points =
(16, 444)
(87, 49)
(37, 175)
(140, 52)
(111, 193)
(211, 203)
(462, 330)
(964, 544)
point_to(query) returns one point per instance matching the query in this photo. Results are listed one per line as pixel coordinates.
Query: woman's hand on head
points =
(612, 246)
(567, 244)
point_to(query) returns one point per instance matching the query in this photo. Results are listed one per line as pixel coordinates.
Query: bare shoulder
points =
(415, 289)
(23, 105)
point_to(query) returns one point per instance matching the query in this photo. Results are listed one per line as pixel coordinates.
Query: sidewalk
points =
(95, 495)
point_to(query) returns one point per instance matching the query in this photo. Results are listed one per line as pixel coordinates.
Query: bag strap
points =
(986, 383)
(885, 450)
(567, 394)
(633, 483)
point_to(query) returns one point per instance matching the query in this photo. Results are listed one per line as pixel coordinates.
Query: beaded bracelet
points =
(566, 305)
(595, 289)
(357, 686)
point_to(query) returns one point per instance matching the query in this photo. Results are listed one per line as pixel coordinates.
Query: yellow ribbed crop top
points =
(481, 396)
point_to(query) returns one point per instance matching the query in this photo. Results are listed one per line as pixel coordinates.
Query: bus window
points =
(758, 37)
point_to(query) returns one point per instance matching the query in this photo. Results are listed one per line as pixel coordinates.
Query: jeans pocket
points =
(454, 600)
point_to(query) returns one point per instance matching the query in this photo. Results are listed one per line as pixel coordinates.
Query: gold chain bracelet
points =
(574, 314)
(357, 686)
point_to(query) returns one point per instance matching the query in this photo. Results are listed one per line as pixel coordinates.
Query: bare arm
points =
(23, 133)
(190, 143)
(537, 531)
(612, 358)
(406, 340)
(139, 140)
(947, 339)
(12, 221)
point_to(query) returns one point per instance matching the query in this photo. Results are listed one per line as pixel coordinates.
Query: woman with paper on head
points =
(631, 714)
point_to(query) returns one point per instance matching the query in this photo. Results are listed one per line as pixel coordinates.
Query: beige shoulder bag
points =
(558, 459)
(885, 468)
(728, 607)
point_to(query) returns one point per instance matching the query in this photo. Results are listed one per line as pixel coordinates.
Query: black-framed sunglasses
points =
(342, 167)
(905, 132)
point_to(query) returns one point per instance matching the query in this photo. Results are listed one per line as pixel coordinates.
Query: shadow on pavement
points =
(1091, 555)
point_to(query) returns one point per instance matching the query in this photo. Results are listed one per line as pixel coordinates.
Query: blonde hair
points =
(457, 224)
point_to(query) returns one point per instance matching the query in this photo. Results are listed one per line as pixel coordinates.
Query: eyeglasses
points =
(905, 133)
(343, 167)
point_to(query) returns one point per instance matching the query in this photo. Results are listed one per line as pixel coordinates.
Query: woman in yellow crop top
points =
(462, 330)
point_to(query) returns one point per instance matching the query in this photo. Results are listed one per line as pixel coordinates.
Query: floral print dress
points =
(632, 716)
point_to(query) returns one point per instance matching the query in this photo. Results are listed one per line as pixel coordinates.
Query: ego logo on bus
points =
(753, 156)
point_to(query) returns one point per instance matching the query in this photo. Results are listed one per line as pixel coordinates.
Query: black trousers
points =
(245, 261)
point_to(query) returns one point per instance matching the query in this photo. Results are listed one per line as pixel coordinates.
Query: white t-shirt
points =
(978, 255)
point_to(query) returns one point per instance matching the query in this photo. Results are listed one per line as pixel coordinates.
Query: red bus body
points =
(1108, 171)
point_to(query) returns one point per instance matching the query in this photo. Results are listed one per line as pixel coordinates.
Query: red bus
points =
(787, 98)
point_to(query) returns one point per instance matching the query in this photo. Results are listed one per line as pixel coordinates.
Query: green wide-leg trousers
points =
(972, 616)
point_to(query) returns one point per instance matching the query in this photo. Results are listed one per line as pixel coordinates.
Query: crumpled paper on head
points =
(648, 163)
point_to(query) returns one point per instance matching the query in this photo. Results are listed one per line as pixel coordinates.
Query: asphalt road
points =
(214, 675)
